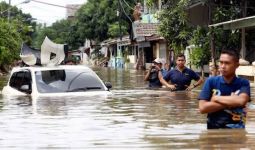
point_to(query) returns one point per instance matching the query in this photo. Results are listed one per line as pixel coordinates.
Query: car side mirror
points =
(108, 85)
(25, 88)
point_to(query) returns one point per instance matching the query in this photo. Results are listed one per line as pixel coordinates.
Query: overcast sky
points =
(45, 13)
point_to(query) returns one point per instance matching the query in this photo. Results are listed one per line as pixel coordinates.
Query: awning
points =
(124, 41)
(144, 44)
(154, 38)
(237, 23)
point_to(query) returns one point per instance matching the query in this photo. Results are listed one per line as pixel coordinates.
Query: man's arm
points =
(200, 81)
(206, 105)
(209, 106)
(164, 82)
(146, 78)
(220, 102)
(233, 100)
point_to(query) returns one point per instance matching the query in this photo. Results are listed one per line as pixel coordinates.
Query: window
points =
(59, 81)
(21, 78)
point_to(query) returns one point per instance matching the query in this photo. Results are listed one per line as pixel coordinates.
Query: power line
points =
(124, 11)
(128, 5)
(53, 4)
(44, 9)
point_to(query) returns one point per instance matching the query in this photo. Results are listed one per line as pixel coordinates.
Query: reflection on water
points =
(133, 117)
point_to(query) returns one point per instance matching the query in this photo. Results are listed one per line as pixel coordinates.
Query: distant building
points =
(71, 9)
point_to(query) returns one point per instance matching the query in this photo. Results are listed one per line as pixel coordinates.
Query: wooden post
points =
(243, 48)
(212, 40)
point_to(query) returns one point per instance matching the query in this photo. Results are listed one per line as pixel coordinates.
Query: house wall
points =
(163, 50)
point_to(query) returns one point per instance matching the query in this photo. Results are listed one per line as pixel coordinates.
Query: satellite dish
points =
(51, 53)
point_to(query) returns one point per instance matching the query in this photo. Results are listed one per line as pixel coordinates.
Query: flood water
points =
(133, 117)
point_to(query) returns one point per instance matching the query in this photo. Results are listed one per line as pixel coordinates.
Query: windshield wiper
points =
(83, 89)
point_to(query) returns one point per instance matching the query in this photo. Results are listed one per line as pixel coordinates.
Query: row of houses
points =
(148, 44)
(145, 46)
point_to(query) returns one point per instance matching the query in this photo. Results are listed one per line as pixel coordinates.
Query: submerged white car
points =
(55, 81)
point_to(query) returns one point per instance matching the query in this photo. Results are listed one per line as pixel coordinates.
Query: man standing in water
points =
(180, 76)
(224, 97)
(152, 74)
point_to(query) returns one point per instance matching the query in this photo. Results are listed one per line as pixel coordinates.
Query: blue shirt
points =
(181, 79)
(227, 118)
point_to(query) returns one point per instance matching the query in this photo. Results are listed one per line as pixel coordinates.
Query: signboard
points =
(144, 44)
(144, 29)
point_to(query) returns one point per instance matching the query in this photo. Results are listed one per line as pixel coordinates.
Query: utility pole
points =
(243, 46)
(9, 11)
(119, 50)
(119, 17)
(212, 40)
(10, 7)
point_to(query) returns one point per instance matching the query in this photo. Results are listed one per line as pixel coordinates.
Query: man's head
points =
(229, 61)
(180, 60)
(157, 62)
(138, 6)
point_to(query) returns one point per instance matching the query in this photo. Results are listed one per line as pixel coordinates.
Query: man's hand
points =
(171, 86)
(214, 98)
(152, 66)
(189, 88)
(157, 67)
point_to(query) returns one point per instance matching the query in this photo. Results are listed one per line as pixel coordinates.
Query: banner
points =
(144, 29)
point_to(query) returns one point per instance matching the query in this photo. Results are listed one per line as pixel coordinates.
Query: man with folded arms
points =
(224, 97)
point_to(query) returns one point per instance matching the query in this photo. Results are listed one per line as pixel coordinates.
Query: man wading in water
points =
(152, 74)
(180, 76)
(224, 97)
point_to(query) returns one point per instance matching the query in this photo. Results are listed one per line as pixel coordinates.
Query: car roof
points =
(59, 67)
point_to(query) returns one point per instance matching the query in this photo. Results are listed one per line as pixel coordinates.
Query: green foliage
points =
(174, 25)
(10, 42)
(176, 30)
(226, 38)
(62, 32)
(97, 19)
(114, 30)
(18, 29)
(201, 54)
(150, 3)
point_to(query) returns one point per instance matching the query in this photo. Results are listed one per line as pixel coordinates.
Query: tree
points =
(174, 25)
(62, 32)
(13, 32)
(200, 55)
(226, 38)
(10, 42)
(97, 19)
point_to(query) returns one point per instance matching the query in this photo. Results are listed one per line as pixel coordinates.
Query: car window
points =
(58, 81)
(20, 78)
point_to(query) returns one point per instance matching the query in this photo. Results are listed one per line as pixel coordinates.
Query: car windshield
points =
(68, 80)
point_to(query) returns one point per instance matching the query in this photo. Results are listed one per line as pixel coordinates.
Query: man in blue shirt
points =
(152, 74)
(224, 97)
(180, 76)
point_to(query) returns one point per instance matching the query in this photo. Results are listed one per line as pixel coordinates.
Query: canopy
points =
(51, 53)
(29, 55)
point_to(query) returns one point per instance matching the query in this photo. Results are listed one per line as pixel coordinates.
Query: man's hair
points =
(235, 54)
(180, 55)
